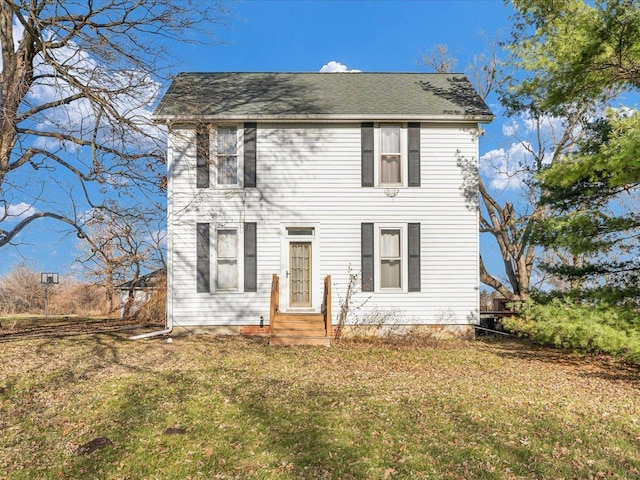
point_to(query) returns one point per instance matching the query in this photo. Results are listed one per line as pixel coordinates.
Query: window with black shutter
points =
(413, 251)
(202, 258)
(367, 257)
(393, 160)
(368, 159)
(250, 151)
(250, 257)
(202, 157)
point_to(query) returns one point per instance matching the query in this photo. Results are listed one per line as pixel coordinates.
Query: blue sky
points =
(262, 35)
(364, 35)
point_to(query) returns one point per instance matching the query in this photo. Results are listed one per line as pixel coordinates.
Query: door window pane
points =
(300, 274)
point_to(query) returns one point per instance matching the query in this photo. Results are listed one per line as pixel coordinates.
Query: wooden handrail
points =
(275, 301)
(326, 304)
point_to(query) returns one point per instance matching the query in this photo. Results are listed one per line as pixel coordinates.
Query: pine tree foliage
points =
(580, 53)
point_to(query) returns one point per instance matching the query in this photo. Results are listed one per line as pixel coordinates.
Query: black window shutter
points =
(414, 257)
(202, 254)
(250, 130)
(414, 154)
(250, 257)
(202, 157)
(366, 139)
(368, 261)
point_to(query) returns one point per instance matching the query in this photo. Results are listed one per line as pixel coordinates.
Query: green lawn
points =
(100, 406)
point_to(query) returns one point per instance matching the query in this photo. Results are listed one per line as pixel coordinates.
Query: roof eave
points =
(452, 118)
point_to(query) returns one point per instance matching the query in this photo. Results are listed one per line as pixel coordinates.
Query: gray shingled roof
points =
(283, 96)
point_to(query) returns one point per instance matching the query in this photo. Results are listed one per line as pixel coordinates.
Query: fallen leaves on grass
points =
(229, 407)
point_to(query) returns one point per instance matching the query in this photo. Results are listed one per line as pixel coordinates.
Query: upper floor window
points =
(227, 156)
(218, 150)
(390, 168)
(390, 155)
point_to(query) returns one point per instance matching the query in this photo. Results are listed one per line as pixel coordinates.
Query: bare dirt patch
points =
(39, 327)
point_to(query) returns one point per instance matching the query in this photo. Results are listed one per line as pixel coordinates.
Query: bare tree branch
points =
(77, 84)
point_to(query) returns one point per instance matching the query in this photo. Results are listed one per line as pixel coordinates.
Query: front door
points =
(300, 274)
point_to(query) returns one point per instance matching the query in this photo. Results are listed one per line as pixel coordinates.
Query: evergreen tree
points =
(588, 53)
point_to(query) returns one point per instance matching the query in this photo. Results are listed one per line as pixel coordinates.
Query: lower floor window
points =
(227, 259)
(390, 258)
(229, 256)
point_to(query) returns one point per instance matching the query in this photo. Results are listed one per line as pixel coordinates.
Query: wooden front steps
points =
(300, 328)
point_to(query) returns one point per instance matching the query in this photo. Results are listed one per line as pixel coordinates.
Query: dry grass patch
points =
(101, 406)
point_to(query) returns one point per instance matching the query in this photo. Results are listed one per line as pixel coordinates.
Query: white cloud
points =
(504, 168)
(18, 30)
(20, 211)
(531, 137)
(336, 67)
(510, 129)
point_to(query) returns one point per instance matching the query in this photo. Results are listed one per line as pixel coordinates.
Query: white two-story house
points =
(282, 186)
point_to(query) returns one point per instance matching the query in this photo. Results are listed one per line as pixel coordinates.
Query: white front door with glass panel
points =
(300, 268)
(298, 289)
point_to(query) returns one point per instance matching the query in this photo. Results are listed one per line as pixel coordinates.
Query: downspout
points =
(166, 331)
(152, 334)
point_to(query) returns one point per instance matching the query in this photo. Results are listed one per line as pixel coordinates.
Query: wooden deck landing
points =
(300, 328)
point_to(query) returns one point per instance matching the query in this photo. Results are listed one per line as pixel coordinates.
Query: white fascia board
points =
(169, 119)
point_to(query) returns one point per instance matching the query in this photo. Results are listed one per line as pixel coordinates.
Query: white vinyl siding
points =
(311, 175)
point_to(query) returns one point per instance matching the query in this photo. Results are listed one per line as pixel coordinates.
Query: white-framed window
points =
(390, 252)
(390, 168)
(227, 254)
(391, 258)
(226, 155)
(390, 155)
(226, 257)
(390, 248)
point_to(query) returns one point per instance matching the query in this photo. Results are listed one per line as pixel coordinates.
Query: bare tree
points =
(537, 141)
(439, 59)
(124, 245)
(510, 204)
(78, 80)
(21, 291)
(484, 70)
(73, 297)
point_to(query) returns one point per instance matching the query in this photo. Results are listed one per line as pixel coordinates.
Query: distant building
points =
(142, 289)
